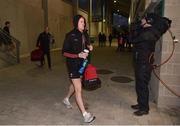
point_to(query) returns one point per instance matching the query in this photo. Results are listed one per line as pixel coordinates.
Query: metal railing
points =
(9, 48)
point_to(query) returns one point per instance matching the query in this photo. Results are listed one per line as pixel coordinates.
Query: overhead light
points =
(115, 1)
(117, 10)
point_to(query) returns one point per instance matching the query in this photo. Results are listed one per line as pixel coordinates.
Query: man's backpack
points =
(90, 79)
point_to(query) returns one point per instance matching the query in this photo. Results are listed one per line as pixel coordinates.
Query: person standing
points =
(100, 39)
(143, 48)
(9, 45)
(103, 40)
(43, 42)
(75, 42)
(110, 40)
(120, 43)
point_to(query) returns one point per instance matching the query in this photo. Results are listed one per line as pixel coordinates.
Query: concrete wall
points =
(170, 73)
(26, 19)
(60, 15)
(95, 28)
(34, 3)
(154, 82)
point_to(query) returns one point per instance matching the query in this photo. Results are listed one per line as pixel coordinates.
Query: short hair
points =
(7, 22)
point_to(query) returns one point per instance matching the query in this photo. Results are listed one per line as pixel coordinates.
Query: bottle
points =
(81, 70)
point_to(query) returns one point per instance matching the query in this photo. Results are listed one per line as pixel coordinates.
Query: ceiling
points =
(121, 7)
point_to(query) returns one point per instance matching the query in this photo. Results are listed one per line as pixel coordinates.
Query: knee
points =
(78, 90)
(77, 85)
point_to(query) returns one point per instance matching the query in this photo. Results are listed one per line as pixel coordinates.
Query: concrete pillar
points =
(90, 15)
(170, 72)
(75, 7)
(45, 9)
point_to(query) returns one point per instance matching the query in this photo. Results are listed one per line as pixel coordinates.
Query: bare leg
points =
(71, 91)
(69, 94)
(78, 92)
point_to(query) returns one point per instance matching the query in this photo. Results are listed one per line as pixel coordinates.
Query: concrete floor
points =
(32, 95)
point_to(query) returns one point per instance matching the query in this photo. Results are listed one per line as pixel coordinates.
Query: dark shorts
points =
(73, 67)
(74, 75)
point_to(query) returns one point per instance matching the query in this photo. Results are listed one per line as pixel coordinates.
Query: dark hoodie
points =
(73, 43)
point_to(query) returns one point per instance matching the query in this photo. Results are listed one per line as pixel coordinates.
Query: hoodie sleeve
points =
(66, 50)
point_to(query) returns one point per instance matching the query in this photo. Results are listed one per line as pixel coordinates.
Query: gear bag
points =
(90, 79)
(36, 55)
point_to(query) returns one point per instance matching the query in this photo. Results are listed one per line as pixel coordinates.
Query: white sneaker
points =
(67, 103)
(88, 118)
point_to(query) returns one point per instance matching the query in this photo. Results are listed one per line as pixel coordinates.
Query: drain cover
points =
(121, 79)
(104, 71)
